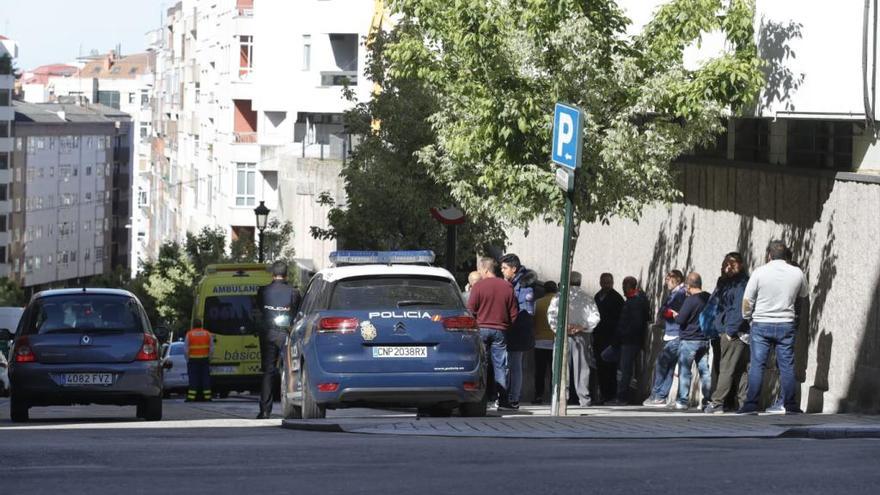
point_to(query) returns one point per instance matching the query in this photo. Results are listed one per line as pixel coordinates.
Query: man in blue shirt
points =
(668, 358)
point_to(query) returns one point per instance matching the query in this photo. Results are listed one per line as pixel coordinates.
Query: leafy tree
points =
(170, 282)
(10, 293)
(499, 66)
(206, 247)
(389, 193)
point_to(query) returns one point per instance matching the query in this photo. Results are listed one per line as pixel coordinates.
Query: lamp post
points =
(262, 214)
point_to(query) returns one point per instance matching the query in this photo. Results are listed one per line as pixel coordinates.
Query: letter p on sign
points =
(567, 135)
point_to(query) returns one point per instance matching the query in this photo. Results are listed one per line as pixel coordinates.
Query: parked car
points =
(175, 377)
(4, 376)
(85, 346)
(381, 328)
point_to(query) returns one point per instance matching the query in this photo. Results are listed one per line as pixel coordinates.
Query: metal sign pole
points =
(560, 368)
(568, 125)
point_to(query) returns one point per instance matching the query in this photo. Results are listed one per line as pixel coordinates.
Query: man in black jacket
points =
(630, 334)
(733, 329)
(610, 303)
(279, 303)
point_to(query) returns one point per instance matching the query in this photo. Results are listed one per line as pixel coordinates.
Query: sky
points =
(58, 31)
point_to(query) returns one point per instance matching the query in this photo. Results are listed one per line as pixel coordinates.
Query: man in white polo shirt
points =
(769, 301)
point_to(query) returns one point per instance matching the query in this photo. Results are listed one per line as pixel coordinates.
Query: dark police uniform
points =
(279, 303)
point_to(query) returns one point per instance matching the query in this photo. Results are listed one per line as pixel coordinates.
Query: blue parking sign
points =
(567, 135)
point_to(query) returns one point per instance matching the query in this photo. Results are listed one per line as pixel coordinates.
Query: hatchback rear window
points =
(395, 292)
(88, 312)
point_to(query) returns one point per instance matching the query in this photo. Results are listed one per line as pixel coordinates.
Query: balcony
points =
(244, 137)
(339, 78)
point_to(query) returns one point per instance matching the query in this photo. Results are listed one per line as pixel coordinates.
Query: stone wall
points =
(832, 223)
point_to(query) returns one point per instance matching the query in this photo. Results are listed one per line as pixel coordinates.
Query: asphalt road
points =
(212, 449)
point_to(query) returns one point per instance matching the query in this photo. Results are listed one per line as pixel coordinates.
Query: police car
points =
(383, 329)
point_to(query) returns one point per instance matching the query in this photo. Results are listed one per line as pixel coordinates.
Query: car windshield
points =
(395, 292)
(232, 315)
(85, 312)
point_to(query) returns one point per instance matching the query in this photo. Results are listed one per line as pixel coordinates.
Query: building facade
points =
(249, 108)
(70, 192)
(8, 54)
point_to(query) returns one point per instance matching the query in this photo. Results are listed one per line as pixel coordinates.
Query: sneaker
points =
(505, 406)
(654, 402)
(775, 409)
(514, 406)
(714, 408)
(680, 406)
(586, 403)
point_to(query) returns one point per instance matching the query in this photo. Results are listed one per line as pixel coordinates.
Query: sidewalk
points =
(631, 422)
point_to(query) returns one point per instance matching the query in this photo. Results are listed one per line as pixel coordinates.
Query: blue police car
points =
(383, 329)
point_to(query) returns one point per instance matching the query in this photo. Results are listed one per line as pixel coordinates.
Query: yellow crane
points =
(379, 18)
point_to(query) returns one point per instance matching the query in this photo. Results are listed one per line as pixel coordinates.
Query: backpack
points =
(707, 318)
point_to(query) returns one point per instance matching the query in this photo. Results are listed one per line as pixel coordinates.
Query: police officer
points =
(279, 303)
(198, 346)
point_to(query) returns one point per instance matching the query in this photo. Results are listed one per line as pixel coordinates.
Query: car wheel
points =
(310, 408)
(150, 409)
(435, 412)
(473, 409)
(18, 409)
(288, 410)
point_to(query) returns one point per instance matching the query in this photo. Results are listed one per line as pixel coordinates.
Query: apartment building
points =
(8, 54)
(249, 108)
(70, 193)
(121, 82)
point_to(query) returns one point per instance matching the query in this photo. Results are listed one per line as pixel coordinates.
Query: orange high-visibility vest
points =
(199, 342)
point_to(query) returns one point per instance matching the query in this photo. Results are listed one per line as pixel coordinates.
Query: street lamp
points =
(262, 214)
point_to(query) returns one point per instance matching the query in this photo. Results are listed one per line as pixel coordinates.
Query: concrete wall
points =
(830, 221)
(300, 182)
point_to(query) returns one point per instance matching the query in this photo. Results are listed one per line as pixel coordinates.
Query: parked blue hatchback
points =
(85, 346)
(383, 329)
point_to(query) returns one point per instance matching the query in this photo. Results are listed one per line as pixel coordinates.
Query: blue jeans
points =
(690, 351)
(515, 363)
(665, 369)
(762, 336)
(495, 340)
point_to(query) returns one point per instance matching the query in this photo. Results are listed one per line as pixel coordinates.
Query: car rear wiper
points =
(417, 302)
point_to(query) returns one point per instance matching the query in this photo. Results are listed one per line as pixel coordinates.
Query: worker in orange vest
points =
(198, 346)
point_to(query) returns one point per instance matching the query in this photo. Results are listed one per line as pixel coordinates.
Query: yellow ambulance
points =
(226, 303)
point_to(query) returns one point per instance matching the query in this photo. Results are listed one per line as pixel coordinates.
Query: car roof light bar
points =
(341, 258)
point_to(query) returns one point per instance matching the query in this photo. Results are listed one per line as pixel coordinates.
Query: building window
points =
(2, 254)
(4, 160)
(245, 178)
(307, 52)
(820, 144)
(142, 197)
(88, 170)
(145, 130)
(3, 223)
(4, 97)
(99, 254)
(5, 133)
(4, 192)
(244, 122)
(245, 56)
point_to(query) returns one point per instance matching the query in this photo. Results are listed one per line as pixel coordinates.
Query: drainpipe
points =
(869, 100)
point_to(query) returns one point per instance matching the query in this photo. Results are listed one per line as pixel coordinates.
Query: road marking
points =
(191, 423)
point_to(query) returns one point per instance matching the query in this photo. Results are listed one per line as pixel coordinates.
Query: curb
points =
(306, 425)
(831, 432)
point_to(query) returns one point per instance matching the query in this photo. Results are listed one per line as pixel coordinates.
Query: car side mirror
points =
(6, 335)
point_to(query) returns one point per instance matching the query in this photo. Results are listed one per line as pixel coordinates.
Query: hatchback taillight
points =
(23, 352)
(149, 350)
(460, 324)
(336, 324)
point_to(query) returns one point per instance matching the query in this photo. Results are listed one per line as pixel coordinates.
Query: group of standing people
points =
(738, 325)
(743, 318)
(515, 314)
